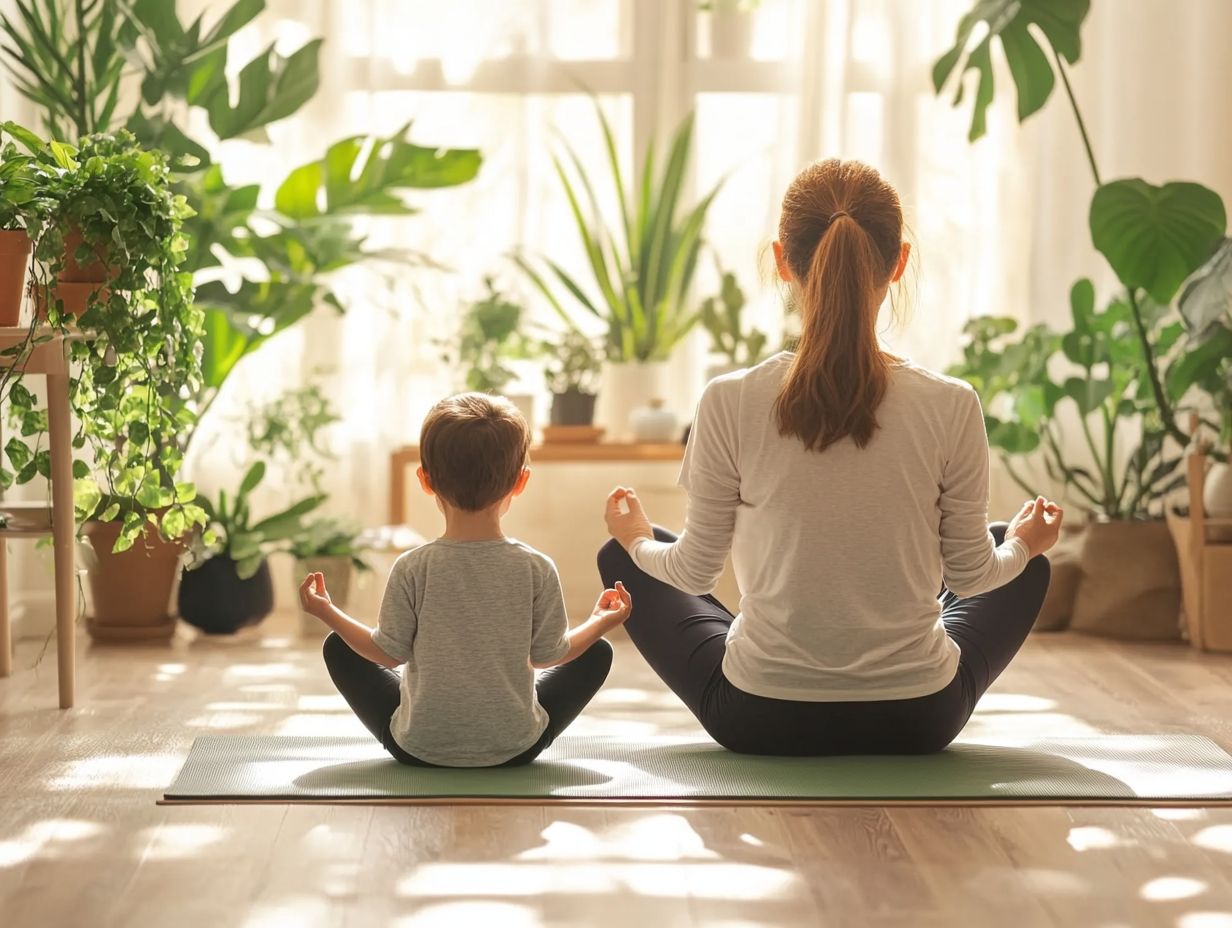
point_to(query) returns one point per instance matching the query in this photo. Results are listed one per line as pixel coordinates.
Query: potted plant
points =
(489, 337)
(721, 317)
(228, 586)
(641, 268)
(110, 200)
(24, 207)
(331, 546)
(1205, 305)
(1138, 380)
(731, 26)
(573, 365)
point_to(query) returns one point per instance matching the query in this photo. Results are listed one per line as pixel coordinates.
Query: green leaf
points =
(241, 13)
(271, 88)
(282, 524)
(1088, 394)
(1155, 237)
(1013, 23)
(86, 497)
(17, 452)
(254, 476)
(359, 175)
(1206, 300)
(247, 567)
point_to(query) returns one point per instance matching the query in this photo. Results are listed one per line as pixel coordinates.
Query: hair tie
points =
(841, 212)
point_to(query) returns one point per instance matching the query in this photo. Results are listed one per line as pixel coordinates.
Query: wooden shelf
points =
(401, 459)
(24, 520)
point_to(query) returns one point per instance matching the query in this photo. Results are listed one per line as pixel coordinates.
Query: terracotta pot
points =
(131, 591)
(1131, 584)
(73, 273)
(338, 572)
(218, 602)
(74, 296)
(15, 248)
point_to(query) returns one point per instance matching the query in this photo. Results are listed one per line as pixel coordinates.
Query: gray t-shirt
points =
(467, 618)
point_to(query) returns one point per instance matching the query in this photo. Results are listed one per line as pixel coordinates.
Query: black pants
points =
(373, 692)
(683, 638)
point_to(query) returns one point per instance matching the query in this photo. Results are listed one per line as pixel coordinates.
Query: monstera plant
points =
(1154, 237)
(1120, 377)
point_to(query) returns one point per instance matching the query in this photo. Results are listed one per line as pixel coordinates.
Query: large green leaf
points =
(1206, 301)
(1010, 22)
(271, 87)
(360, 175)
(1155, 237)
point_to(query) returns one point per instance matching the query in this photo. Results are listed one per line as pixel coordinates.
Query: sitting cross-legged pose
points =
(849, 486)
(469, 615)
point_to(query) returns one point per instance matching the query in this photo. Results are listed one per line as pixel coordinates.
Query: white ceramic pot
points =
(731, 34)
(654, 423)
(1217, 498)
(526, 406)
(624, 387)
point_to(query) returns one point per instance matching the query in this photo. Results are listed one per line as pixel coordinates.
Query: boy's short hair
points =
(473, 447)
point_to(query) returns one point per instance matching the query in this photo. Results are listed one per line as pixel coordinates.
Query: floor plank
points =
(82, 842)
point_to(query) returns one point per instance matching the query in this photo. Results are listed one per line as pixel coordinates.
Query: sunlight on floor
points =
(39, 835)
(1215, 838)
(181, 841)
(1092, 837)
(1205, 920)
(1168, 888)
(126, 771)
(456, 914)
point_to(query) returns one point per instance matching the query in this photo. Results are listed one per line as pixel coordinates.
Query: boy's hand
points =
(614, 606)
(313, 596)
(625, 518)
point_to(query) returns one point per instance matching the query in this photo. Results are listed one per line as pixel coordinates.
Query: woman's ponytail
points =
(841, 237)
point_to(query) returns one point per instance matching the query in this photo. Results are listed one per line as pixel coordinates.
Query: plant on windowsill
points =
(731, 27)
(1141, 367)
(330, 546)
(229, 586)
(108, 265)
(722, 318)
(572, 371)
(641, 267)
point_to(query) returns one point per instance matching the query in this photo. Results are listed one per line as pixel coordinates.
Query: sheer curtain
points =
(998, 227)
(836, 78)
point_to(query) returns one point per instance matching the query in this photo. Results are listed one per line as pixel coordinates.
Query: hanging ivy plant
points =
(135, 341)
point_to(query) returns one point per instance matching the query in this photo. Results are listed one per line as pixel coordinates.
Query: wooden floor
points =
(83, 844)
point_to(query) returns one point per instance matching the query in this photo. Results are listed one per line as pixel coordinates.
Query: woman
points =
(848, 485)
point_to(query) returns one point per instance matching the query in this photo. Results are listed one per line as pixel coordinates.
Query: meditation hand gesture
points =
(625, 518)
(1038, 523)
(313, 596)
(614, 606)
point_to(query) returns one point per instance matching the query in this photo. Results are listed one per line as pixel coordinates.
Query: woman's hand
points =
(626, 523)
(1037, 523)
(314, 597)
(614, 606)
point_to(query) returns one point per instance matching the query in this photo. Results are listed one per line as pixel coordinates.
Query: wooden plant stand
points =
(33, 520)
(1204, 550)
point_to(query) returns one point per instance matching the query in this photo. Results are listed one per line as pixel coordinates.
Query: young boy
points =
(469, 614)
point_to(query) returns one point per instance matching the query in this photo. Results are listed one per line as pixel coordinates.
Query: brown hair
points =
(841, 234)
(473, 447)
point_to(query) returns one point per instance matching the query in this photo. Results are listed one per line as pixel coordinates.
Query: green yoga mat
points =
(1114, 769)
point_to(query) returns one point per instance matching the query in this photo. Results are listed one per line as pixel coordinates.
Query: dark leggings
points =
(683, 638)
(373, 692)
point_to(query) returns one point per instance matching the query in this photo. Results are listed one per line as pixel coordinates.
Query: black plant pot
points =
(573, 407)
(218, 602)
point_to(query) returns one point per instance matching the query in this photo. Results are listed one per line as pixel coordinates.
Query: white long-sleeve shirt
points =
(838, 554)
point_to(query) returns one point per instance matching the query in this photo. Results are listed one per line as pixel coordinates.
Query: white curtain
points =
(998, 227)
